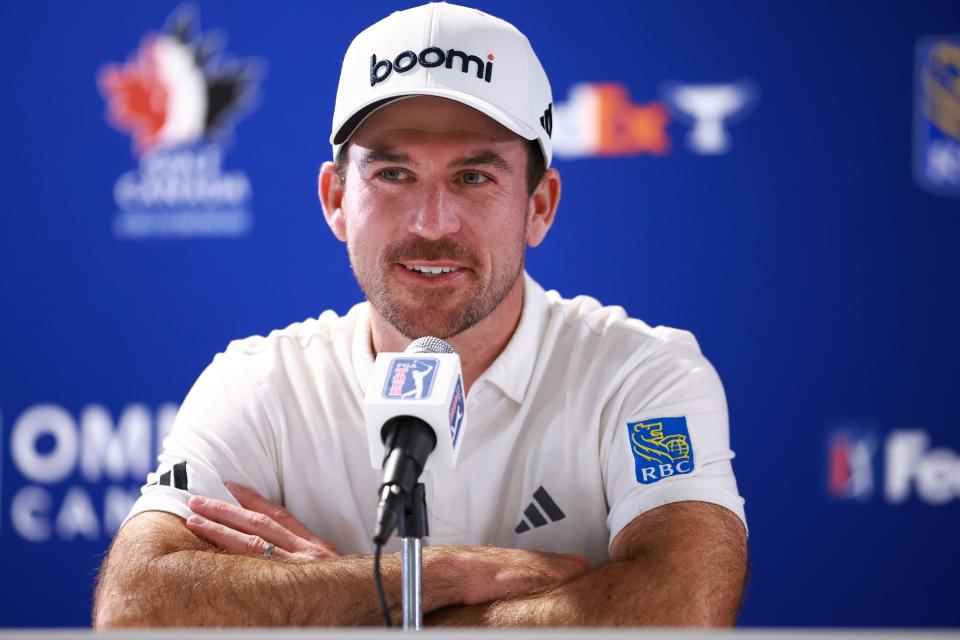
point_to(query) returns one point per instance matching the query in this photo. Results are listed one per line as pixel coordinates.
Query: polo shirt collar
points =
(513, 368)
(510, 372)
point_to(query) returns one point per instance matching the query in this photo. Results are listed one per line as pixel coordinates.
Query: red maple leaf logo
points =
(136, 97)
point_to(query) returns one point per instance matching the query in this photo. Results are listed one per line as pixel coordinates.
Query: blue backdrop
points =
(806, 235)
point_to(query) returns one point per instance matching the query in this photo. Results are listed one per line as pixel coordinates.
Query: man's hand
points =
(473, 575)
(681, 564)
(484, 574)
(247, 529)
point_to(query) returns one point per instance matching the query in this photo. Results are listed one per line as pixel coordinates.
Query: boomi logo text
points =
(429, 58)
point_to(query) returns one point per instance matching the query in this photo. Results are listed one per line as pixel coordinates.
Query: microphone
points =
(414, 411)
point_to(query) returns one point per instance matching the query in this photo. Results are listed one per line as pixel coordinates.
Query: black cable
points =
(387, 619)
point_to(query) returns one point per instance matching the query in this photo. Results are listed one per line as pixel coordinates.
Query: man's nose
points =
(435, 218)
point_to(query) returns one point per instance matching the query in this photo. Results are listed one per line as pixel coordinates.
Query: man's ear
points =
(330, 191)
(542, 207)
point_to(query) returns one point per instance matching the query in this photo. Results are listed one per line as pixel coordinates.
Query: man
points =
(596, 473)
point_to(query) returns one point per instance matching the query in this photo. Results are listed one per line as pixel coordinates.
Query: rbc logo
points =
(937, 108)
(410, 378)
(661, 448)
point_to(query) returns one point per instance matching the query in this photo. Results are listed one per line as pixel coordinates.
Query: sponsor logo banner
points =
(850, 463)
(937, 115)
(75, 477)
(178, 97)
(905, 464)
(600, 119)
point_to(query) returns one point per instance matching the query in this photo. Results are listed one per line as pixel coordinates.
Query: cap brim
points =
(342, 133)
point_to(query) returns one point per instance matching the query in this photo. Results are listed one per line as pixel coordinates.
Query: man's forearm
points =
(685, 566)
(208, 588)
(157, 573)
(619, 593)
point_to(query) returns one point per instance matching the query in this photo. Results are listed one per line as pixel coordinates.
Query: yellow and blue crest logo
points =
(661, 448)
(937, 129)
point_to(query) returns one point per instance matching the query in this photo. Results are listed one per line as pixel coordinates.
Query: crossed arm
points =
(210, 571)
(681, 564)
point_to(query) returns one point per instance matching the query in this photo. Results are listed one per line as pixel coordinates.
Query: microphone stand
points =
(412, 528)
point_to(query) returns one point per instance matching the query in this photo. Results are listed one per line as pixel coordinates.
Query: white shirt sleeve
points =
(667, 437)
(222, 433)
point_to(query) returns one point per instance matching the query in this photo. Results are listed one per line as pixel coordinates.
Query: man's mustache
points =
(432, 250)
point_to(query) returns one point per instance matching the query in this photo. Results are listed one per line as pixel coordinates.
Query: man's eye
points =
(474, 177)
(395, 175)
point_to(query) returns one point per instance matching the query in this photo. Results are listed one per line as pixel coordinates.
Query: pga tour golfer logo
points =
(178, 96)
(850, 464)
(661, 448)
(456, 412)
(410, 378)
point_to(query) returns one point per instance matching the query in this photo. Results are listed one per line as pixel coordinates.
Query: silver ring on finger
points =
(268, 550)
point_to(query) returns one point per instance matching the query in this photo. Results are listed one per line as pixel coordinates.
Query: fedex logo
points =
(600, 119)
(909, 467)
(410, 378)
(913, 465)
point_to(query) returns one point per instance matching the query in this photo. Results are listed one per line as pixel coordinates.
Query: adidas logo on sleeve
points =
(175, 477)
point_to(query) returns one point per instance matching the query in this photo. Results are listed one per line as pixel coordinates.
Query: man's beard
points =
(425, 318)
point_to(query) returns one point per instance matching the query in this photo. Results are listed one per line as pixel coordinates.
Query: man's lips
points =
(432, 266)
(431, 271)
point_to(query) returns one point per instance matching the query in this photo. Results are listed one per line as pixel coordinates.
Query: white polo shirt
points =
(585, 421)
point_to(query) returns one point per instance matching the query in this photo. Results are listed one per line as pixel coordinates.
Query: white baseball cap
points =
(449, 51)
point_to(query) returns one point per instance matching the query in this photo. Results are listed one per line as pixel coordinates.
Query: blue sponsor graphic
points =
(661, 448)
(850, 454)
(937, 108)
(899, 466)
(456, 412)
(410, 378)
(178, 98)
